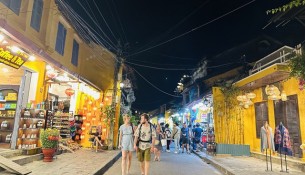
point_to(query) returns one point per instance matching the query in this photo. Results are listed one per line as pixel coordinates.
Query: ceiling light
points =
(5, 70)
(32, 58)
(15, 49)
(48, 67)
(1, 38)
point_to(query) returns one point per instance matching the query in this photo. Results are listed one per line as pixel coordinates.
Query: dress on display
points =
(267, 141)
(282, 140)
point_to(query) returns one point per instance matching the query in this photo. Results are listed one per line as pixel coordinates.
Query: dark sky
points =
(146, 23)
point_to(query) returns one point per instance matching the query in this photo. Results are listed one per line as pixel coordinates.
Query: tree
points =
(288, 6)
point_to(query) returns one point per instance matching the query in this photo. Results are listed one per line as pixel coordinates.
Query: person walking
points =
(144, 142)
(176, 137)
(168, 135)
(158, 145)
(126, 144)
(185, 138)
(197, 136)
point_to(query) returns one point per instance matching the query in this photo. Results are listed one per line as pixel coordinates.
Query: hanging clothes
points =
(267, 141)
(282, 140)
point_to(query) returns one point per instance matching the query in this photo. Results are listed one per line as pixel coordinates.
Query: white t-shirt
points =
(145, 135)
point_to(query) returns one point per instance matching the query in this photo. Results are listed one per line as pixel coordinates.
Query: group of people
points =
(146, 138)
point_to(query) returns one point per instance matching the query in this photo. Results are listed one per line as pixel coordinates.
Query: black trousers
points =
(168, 143)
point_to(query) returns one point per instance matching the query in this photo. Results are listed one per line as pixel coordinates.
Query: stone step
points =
(7, 153)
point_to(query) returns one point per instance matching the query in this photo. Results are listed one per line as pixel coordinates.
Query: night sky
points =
(141, 24)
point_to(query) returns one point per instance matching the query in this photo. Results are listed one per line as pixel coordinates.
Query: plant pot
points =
(48, 154)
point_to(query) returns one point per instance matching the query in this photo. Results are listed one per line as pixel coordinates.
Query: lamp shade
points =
(69, 92)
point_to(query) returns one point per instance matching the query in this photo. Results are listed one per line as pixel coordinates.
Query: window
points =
(60, 39)
(36, 14)
(14, 5)
(75, 49)
(261, 116)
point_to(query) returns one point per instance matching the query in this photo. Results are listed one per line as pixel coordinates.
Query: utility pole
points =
(114, 105)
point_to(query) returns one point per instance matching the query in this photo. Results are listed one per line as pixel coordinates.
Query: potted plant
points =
(297, 69)
(49, 141)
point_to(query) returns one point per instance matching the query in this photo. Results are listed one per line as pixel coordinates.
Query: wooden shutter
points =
(261, 115)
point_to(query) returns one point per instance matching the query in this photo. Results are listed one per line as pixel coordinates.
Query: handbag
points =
(163, 142)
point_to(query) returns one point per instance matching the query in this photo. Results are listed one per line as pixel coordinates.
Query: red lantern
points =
(69, 92)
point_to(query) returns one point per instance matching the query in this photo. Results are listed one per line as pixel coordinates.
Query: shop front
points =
(268, 98)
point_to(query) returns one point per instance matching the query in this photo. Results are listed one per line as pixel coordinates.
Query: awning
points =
(270, 75)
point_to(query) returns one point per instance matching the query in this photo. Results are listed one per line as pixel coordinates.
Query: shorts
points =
(144, 155)
(184, 140)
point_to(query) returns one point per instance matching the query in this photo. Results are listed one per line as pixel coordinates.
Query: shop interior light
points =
(32, 58)
(5, 70)
(48, 67)
(1, 37)
(15, 49)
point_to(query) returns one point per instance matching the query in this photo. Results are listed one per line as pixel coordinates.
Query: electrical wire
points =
(192, 30)
(157, 63)
(104, 19)
(176, 25)
(154, 85)
(160, 68)
(210, 67)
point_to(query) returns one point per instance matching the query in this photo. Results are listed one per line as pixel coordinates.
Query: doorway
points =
(287, 112)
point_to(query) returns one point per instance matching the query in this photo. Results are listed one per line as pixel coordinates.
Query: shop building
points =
(267, 94)
(46, 65)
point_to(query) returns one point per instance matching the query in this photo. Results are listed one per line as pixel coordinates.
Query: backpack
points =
(139, 137)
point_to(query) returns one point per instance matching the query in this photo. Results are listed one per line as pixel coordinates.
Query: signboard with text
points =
(12, 59)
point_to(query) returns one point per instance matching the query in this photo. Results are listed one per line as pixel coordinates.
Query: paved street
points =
(170, 164)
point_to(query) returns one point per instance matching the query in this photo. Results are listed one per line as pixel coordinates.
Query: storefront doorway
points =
(287, 112)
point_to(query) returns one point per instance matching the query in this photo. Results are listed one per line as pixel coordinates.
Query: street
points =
(170, 164)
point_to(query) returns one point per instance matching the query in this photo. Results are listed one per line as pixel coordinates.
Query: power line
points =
(104, 20)
(120, 22)
(176, 25)
(158, 63)
(154, 85)
(194, 29)
(160, 68)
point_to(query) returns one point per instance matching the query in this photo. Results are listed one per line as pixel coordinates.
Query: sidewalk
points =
(83, 161)
(244, 165)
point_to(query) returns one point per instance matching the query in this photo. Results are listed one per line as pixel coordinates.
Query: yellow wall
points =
(38, 67)
(247, 116)
(95, 63)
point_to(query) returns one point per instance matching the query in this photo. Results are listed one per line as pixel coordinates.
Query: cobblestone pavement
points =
(170, 164)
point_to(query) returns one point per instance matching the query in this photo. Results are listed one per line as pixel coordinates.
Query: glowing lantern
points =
(84, 117)
(82, 136)
(69, 92)
(51, 73)
(90, 102)
(284, 96)
(83, 128)
(95, 108)
(251, 95)
(87, 124)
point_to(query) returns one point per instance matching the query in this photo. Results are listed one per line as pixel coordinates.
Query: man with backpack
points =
(144, 142)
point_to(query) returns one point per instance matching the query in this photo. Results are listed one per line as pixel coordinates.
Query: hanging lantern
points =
(251, 95)
(69, 92)
(51, 73)
(84, 117)
(239, 98)
(273, 97)
(248, 102)
(82, 136)
(95, 108)
(246, 106)
(90, 102)
(87, 124)
(83, 128)
(284, 96)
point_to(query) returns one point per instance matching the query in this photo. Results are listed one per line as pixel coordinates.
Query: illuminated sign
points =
(15, 60)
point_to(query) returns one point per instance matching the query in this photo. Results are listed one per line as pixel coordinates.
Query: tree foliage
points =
(288, 6)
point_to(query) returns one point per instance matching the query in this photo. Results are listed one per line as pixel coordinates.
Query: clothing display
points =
(282, 140)
(267, 141)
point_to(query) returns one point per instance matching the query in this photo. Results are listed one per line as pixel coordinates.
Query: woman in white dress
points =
(126, 143)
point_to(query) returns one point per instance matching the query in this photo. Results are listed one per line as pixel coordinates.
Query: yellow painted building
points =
(39, 28)
(237, 123)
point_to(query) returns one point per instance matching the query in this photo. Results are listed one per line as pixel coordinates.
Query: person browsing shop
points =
(144, 142)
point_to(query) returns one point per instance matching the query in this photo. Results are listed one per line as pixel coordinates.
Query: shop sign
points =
(15, 60)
